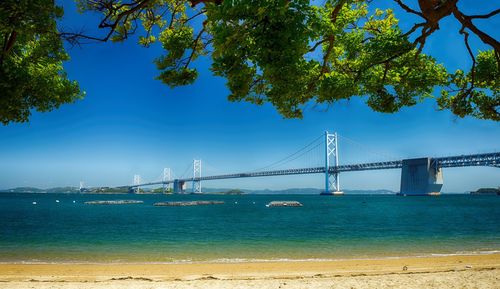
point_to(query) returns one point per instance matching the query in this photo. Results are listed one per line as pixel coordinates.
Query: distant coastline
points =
(220, 191)
(217, 191)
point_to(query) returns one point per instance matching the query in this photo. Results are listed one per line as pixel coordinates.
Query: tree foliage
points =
(31, 57)
(293, 52)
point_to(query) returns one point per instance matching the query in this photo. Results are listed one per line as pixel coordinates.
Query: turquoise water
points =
(351, 226)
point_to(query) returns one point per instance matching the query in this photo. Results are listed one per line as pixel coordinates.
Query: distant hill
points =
(60, 190)
(299, 191)
(292, 191)
(31, 190)
(370, 192)
(23, 190)
(487, 191)
(228, 192)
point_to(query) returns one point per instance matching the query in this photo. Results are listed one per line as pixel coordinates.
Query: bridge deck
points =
(488, 159)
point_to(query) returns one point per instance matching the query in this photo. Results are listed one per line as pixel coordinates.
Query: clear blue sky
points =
(129, 123)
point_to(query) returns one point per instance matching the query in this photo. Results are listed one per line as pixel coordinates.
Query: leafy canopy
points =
(31, 71)
(293, 52)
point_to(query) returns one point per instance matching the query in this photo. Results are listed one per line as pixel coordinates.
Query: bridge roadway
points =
(487, 159)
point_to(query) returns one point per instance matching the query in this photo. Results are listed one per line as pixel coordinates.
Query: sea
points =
(61, 228)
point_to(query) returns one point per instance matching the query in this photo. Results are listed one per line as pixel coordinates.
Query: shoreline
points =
(230, 271)
(252, 260)
(464, 271)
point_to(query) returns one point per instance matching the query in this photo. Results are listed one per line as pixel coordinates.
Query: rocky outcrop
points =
(189, 203)
(284, 204)
(114, 202)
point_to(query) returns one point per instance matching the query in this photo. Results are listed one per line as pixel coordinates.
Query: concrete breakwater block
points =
(114, 202)
(190, 203)
(284, 204)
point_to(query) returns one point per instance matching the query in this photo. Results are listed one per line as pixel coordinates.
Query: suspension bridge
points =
(419, 176)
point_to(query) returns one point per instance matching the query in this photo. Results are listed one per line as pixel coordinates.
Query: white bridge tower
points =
(332, 180)
(137, 182)
(196, 176)
(167, 177)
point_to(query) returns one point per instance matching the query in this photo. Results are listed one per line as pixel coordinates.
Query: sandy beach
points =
(468, 271)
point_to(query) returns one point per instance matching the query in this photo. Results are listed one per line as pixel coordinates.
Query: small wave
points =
(252, 260)
(462, 253)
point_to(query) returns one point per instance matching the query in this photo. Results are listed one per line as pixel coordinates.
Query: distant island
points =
(212, 191)
(486, 191)
(230, 192)
(217, 191)
(114, 202)
(105, 190)
(75, 190)
(298, 191)
(67, 190)
(123, 190)
(33, 190)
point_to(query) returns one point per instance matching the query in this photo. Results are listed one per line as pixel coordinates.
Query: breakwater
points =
(114, 202)
(188, 203)
(284, 204)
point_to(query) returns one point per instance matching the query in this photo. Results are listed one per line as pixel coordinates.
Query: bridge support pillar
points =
(332, 180)
(137, 182)
(166, 178)
(196, 176)
(420, 177)
(179, 186)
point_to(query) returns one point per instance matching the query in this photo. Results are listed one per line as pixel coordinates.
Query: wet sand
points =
(473, 271)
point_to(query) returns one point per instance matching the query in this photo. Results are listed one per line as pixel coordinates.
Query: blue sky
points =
(129, 123)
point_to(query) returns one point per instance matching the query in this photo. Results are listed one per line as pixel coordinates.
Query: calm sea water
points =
(351, 226)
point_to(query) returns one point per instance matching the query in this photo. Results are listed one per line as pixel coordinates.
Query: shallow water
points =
(351, 226)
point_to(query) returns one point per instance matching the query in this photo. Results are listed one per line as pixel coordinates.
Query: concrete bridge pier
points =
(179, 186)
(420, 177)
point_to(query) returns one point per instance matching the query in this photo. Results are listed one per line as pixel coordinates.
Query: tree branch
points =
(10, 39)
(196, 2)
(467, 22)
(74, 37)
(331, 38)
(473, 69)
(408, 9)
(491, 14)
(193, 48)
(195, 15)
(414, 28)
(317, 44)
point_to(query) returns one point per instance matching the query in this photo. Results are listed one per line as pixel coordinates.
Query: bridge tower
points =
(332, 180)
(196, 176)
(167, 177)
(137, 182)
